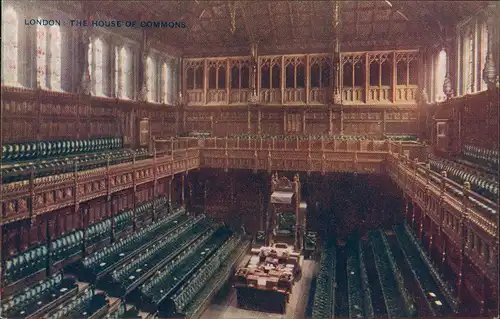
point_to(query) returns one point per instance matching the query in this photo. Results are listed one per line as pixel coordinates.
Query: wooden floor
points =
(225, 306)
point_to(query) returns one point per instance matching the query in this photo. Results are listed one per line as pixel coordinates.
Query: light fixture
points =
(432, 294)
(389, 3)
(437, 302)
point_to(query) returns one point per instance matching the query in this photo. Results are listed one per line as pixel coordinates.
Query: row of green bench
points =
(324, 295)
(481, 156)
(486, 186)
(360, 303)
(397, 299)
(102, 262)
(45, 149)
(64, 249)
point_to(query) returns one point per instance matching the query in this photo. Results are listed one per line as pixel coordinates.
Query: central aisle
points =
(227, 308)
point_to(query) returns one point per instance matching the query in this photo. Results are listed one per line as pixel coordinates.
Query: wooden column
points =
(112, 210)
(394, 80)
(183, 202)
(283, 79)
(170, 191)
(464, 231)
(135, 195)
(205, 80)
(307, 79)
(228, 81)
(367, 76)
(431, 234)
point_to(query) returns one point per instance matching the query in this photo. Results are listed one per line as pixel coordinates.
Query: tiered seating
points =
(85, 304)
(132, 274)
(124, 220)
(481, 156)
(485, 185)
(194, 284)
(369, 313)
(98, 232)
(396, 298)
(419, 269)
(412, 246)
(159, 289)
(27, 263)
(35, 300)
(324, 296)
(357, 303)
(66, 248)
(218, 279)
(56, 157)
(102, 262)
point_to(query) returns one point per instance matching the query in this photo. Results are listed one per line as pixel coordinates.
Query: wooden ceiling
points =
(294, 26)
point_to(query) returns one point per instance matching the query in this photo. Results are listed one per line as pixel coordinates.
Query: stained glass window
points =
(10, 45)
(440, 74)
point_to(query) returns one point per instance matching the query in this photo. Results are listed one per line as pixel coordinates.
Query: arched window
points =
(440, 74)
(55, 58)
(467, 62)
(166, 82)
(10, 45)
(151, 79)
(123, 73)
(48, 57)
(41, 56)
(96, 69)
(484, 50)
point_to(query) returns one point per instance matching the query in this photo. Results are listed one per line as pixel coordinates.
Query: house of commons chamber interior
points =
(249, 159)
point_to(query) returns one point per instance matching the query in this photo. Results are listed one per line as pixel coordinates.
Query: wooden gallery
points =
(277, 159)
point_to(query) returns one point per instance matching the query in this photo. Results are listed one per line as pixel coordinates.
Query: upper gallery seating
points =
(481, 183)
(324, 296)
(47, 158)
(484, 157)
